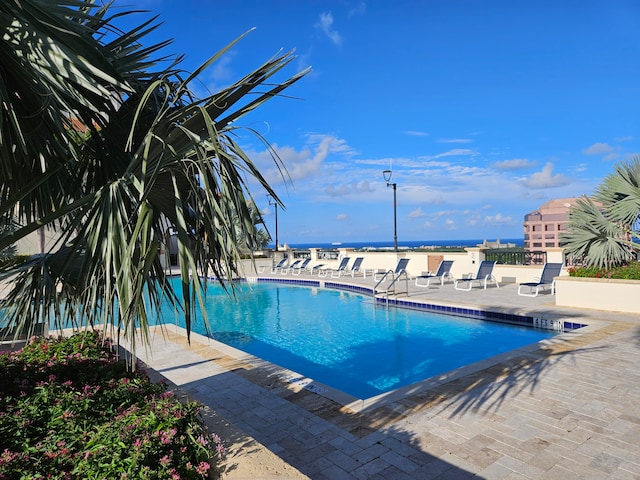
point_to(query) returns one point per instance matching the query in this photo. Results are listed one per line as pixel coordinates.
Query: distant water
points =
(519, 242)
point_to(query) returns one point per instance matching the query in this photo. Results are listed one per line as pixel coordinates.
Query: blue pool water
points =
(340, 339)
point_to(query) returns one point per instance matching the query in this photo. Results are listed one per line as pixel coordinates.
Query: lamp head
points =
(387, 176)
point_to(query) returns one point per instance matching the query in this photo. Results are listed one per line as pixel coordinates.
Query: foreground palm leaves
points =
(603, 231)
(110, 155)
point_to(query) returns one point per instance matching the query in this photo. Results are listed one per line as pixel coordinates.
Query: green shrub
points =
(627, 272)
(68, 409)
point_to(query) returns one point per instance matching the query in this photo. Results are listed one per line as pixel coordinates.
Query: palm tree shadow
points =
(493, 386)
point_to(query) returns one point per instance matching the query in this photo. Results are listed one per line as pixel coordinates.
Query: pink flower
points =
(165, 461)
(203, 468)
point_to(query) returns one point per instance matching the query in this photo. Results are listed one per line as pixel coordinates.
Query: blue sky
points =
(484, 110)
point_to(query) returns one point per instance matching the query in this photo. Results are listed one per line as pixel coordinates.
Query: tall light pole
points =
(387, 178)
(275, 204)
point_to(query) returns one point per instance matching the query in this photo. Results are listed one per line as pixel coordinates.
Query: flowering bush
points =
(627, 272)
(69, 409)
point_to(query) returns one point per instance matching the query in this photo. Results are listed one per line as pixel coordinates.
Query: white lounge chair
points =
(484, 276)
(291, 266)
(279, 266)
(443, 272)
(547, 280)
(355, 268)
(399, 270)
(343, 264)
(295, 270)
(274, 267)
(315, 269)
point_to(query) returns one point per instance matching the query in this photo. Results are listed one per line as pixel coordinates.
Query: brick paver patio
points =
(562, 409)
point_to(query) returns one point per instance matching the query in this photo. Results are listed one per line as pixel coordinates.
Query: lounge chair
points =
(297, 269)
(547, 280)
(444, 271)
(316, 268)
(343, 264)
(279, 266)
(274, 268)
(399, 270)
(484, 276)
(355, 268)
(291, 266)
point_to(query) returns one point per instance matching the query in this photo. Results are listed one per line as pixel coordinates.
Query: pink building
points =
(542, 227)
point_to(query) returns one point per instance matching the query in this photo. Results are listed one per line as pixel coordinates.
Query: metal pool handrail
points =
(391, 287)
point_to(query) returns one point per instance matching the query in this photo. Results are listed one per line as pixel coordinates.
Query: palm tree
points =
(153, 156)
(603, 230)
(258, 237)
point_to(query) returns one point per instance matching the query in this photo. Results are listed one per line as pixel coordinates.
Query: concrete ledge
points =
(598, 293)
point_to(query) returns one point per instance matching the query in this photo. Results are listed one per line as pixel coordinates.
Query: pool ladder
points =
(391, 288)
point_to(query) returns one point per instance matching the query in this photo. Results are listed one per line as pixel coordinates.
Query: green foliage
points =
(602, 230)
(69, 409)
(153, 157)
(630, 271)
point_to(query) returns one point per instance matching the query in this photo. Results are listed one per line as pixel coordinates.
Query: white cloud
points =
(513, 164)
(456, 152)
(325, 25)
(416, 213)
(337, 145)
(342, 217)
(498, 219)
(628, 138)
(598, 149)
(416, 133)
(359, 8)
(349, 189)
(454, 140)
(546, 179)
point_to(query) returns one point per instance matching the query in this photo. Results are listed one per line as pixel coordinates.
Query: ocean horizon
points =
(411, 244)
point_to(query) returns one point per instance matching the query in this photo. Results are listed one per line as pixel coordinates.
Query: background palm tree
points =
(603, 230)
(153, 156)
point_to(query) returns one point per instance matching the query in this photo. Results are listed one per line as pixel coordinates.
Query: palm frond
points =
(593, 237)
(153, 159)
(620, 193)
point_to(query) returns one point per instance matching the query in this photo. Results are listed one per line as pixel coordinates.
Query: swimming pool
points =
(341, 339)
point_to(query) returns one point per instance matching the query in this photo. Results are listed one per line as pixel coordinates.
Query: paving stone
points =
(333, 473)
(567, 410)
(401, 463)
(346, 462)
(370, 469)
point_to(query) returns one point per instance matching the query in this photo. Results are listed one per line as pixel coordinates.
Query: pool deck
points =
(565, 408)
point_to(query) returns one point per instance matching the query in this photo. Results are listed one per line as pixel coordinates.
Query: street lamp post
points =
(387, 178)
(275, 204)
